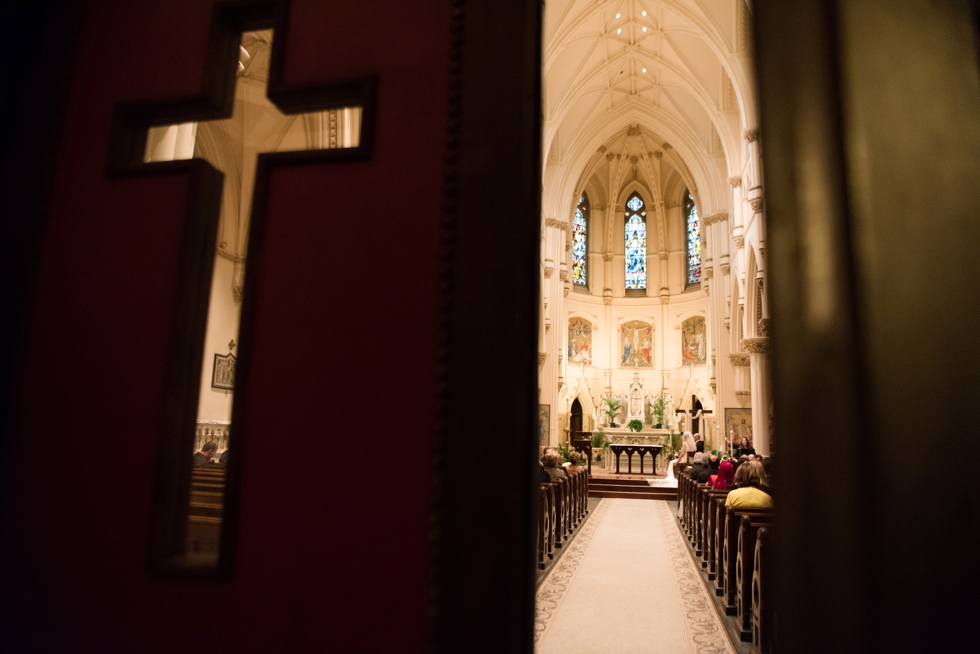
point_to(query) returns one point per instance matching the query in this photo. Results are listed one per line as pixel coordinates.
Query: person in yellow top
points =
(751, 480)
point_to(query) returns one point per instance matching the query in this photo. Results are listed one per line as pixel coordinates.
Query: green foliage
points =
(659, 407)
(635, 425)
(675, 442)
(569, 455)
(612, 408)
(599, 440)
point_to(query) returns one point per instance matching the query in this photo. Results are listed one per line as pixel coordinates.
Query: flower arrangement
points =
(571, 456)
(635, 425)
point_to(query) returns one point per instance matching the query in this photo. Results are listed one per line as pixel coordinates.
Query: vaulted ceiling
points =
(676, 68)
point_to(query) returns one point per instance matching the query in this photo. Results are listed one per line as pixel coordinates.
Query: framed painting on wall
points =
(579, 340)
(544, 423)
(637, 344)
(738, 423)
(693, 340)
(223, 373)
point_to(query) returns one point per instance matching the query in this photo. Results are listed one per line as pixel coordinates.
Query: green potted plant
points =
(612, 410)
(659, 407)
(599, 443)
(636, 425)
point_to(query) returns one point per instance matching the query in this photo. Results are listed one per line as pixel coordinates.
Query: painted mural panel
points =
(693, 340)
(637, 344)
(544, 423)
(579, 340)
(738, 424)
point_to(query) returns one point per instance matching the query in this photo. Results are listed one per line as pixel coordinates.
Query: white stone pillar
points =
(754, 194)
(607, 293)
(758, 349)
(737, 204)
(714, 228)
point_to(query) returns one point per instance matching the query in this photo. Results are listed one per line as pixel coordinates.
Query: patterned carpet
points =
(627, 584)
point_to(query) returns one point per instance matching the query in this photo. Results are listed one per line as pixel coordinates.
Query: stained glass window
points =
(636, 243)
(580, 226)
(693, 240)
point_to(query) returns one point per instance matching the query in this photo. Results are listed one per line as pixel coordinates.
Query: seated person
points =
(552, 466)
(750, 480)
(544, 476)
(711, 469)
(725, 477)
(698, 465)
(203, 458)
(745, 448)
(756, 462)
(687, 451)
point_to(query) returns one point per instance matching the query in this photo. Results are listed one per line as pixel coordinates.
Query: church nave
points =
(627, 584)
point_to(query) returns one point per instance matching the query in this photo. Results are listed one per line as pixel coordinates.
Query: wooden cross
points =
(138, 147)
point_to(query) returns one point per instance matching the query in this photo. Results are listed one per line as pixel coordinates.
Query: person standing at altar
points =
(744, 448)
(699, 443)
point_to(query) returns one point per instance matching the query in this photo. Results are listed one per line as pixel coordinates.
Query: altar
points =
(654, 441)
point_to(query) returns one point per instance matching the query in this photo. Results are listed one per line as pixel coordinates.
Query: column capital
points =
(739, 359)
(759, 345)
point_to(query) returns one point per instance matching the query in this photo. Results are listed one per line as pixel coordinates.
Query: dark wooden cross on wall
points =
(697, 410)
(132, 123)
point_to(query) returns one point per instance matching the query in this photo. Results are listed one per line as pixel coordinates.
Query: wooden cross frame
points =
(131, 124)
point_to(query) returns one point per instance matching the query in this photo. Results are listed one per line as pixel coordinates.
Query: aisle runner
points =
(627, 584)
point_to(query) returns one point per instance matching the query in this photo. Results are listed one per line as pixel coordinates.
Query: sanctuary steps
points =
(635, 489)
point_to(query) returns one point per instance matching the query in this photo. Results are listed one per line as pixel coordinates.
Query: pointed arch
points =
(635, 240)
(693, 223)
(580, 243)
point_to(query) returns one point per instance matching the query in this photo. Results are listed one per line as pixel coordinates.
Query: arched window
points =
(636, 244)
(693, 240)
(580, 242)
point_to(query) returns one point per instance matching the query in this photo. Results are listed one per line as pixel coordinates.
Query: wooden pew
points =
(561, 505)
(206, 510)
(763, 608)
(745, 560)
(716, 566)
(546, 532)
(733, 516)
(575, 483)
(564, 504)
(711, 530)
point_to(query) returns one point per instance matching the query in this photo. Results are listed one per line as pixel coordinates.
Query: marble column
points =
(758, 349)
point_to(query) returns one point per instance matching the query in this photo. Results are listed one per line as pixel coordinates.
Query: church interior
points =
(300, 354)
